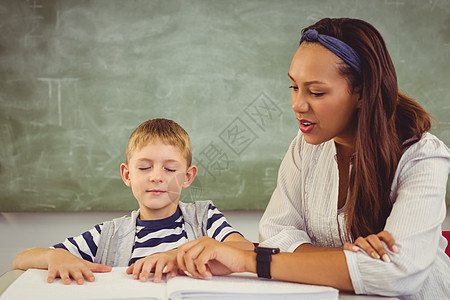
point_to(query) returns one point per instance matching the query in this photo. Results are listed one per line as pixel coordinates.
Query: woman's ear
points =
(358, 95)
(125, 172)
(190, 176)
(359, 103)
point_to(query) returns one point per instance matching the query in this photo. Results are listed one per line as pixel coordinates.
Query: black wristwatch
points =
(263, 259)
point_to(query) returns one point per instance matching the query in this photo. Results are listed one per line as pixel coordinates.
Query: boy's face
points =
(156, 174)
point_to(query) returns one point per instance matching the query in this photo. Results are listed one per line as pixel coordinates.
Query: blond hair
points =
(166, 131)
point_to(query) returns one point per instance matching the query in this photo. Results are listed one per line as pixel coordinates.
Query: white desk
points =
(9, 277)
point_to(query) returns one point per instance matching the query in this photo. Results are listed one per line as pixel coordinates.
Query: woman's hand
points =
(159, 263)
(205, 257)
(372, 245)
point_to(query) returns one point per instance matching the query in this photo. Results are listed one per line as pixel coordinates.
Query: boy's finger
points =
(99, 268)
(146, 270)
(160, 267)
(174, 273)
(169, 267)
(51, 276)
(64, 276)
(87, 273)
(77, 277)
(130, 269)
(137, 269)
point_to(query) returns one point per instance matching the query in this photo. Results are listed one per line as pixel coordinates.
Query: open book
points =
(118, 285)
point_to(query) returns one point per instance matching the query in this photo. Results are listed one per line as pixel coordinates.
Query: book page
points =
(114, 285)
(246, 285)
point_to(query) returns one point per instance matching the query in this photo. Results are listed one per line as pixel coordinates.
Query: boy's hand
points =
(63, 264)
(159, 263)
(372, 245)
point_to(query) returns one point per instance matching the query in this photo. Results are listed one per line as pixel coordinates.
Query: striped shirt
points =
(303, 209)
(152, 236)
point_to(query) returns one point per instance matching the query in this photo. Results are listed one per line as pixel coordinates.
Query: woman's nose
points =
(299, 103)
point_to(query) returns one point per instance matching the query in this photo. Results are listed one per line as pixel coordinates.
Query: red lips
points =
(306, 126)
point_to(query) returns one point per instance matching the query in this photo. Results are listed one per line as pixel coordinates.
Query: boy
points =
(158, 166)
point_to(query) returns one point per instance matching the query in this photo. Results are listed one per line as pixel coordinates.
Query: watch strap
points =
(263, 260)
(263, 265)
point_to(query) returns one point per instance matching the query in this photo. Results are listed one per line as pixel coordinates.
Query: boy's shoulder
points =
(195, 209)
(199, 203)
(195, 215)
(196, 212)
(120, 225)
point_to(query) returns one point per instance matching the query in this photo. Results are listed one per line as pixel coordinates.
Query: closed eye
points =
(317, 94)
(295, 88)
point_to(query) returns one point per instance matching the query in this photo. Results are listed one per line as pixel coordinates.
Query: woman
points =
(360, 197)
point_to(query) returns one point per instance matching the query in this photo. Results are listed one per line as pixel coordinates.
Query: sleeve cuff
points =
(353, 269)
(296, 245)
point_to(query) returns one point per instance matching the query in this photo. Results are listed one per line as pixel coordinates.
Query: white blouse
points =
(303, 209)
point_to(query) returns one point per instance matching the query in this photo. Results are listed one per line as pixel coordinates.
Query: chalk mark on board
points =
(36, 23)
(58, 82)
(34, 5)
(396, 3)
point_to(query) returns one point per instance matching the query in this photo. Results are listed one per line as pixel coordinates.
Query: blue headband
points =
(338, 47)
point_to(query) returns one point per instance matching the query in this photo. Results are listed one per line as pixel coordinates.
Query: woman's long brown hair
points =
(386, 120)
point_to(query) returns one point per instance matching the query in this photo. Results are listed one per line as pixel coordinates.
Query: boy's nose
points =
(155, 176)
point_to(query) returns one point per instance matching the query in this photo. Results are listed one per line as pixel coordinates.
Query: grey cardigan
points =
(117, 236)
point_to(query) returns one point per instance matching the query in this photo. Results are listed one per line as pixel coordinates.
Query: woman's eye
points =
(317, 94)
(295, 88)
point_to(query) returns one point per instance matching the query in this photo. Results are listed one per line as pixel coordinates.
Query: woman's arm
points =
(203, 257)
(418, 192)
(238, 241)
(318, 267)
(282, 224)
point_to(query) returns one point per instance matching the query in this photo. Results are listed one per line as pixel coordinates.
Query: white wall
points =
(19, 231)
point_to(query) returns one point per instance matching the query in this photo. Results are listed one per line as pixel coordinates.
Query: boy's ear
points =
(125, 172)
(190, 176)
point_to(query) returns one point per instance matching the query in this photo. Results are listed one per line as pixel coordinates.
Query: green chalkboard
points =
(76, 77)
